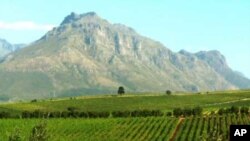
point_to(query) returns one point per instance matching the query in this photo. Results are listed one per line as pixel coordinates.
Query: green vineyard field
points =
(129, 129)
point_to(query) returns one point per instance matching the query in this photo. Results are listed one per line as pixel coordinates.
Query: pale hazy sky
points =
(192, 25)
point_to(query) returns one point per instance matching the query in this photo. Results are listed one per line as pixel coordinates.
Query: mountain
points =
(218, 62)
(6, 47)
(86, 54)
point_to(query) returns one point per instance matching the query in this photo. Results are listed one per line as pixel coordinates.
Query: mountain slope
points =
(218, 62)
(88, 55)
(6, 47)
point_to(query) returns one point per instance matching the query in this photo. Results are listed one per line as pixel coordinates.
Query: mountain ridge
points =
(6, 47)
(88, 55)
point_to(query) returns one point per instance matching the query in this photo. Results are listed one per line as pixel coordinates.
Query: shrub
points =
(104, 114)
(121, 114)
(54, 114)
(4, 114)
(146, 113)
(71, 109)
(15, 135)
(26, 114)
(221, 111)
(212, 112)
(187, 112)
(36, 114)
(65, 114)
(156, 113)
(177, 112)
(197, 111)
(93, 114)
(234, 110)
(34, 100)
(169, 114)
(83, 114)
(39, 133)
(244, 110)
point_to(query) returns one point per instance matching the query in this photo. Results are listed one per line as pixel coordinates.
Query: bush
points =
(71, 109)
(26, 114)
(222, 111)
(177, 112)
(142, 113)
(187, 112)
(34, 100)
(104, 114)
(39, 133)
(4, 114)
(212, 113)
(37, 114)
(169, 114)
(121, 114)
(54, 114)
(15, 135)
(93, 114)
(156, 113)
(244, 110)
(83, 114)
(234, 109)
(65, 114)
(197, 111)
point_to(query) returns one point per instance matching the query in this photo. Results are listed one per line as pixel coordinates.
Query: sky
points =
(192, 25)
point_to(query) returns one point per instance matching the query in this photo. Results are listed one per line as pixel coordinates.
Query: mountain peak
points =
(74, 17)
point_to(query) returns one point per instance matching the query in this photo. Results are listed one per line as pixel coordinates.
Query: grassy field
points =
(95, 129)
(128, 129)
(211, 101)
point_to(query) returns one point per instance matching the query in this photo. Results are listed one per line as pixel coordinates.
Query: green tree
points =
(121, 90)
(168, 92)
(39, 133)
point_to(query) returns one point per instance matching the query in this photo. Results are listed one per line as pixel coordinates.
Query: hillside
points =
(6, 47)
(86, 54)
(130, 102)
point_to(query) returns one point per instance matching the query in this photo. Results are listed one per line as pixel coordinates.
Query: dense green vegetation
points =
(177, 117)
(209, 128)
(139, 129)
(95, 129)
(110, 103)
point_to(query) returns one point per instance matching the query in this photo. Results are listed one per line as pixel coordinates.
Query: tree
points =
(121, 90)
(168, 92)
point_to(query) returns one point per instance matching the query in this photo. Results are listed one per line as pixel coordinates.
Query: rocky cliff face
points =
(88, 55)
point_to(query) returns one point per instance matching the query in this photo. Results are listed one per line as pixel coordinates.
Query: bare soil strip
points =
(177, 129)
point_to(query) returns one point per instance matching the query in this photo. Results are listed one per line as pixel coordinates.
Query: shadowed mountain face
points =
(88, 55)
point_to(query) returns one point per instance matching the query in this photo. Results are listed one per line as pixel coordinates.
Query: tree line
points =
(72, 112)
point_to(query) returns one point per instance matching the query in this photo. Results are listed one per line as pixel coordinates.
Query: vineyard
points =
(138, 129)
